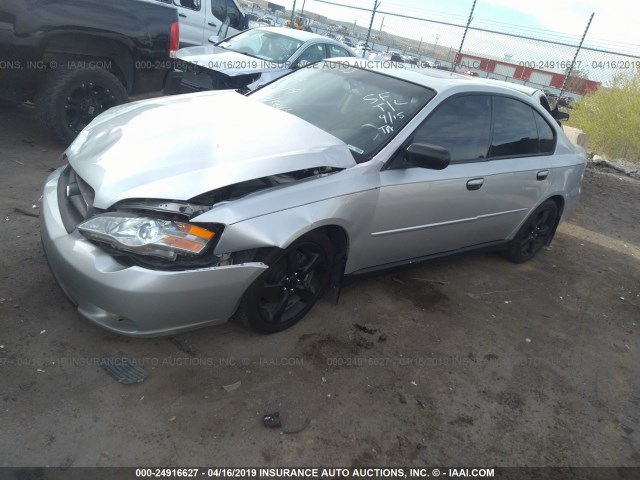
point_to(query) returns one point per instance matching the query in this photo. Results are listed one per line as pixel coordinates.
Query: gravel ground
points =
(468, 361)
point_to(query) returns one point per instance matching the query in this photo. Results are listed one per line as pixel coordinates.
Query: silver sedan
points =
(255, 206)
(253, 58)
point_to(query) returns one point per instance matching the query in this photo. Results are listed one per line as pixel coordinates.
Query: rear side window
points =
(515, 132)
(313, 53)
(462, 125)
(547, 142)
(336, 51)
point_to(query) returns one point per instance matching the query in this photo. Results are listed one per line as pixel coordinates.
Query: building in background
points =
(526, 73)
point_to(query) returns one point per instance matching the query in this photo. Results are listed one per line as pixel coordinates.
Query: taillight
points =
(174, 39)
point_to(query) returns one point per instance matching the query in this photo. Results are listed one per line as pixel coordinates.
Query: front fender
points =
(279, 229)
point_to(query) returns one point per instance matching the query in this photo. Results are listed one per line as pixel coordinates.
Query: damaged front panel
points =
(199, 79)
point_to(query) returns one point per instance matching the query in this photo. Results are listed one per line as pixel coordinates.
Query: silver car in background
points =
(156, 226)
(253, 58)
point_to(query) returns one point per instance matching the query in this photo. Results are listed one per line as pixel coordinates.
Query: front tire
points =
(71, 98)
(282, 295)
(534, 234)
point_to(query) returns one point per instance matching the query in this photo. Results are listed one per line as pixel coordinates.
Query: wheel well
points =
(340, 241)
(559, 201)
(112, 55)
(338, 237)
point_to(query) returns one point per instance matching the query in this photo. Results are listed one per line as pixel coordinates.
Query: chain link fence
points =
(556, 62)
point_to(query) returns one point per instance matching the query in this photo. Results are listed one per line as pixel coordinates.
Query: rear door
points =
(518, 171)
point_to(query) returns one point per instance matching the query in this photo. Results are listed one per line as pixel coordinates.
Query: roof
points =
(439, 80)
(301, 35)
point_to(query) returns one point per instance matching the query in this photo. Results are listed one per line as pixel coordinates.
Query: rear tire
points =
(70, 99)
(535, 233)
(297, 276)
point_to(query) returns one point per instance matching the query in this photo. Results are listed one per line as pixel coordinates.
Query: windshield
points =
(364, 109)
(263, 44)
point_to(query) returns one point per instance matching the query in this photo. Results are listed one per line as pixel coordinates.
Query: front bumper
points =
(132, 300)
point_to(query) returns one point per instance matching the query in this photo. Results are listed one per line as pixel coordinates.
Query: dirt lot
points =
(473, 361)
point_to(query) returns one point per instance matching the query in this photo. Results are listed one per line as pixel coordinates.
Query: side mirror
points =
(214, 39)
(561, 116)
(224, 28)
(424, 155)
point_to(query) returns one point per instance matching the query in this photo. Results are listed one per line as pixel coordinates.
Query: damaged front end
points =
(139, 293)
(133, 226)
(160, 234)
(200, 79)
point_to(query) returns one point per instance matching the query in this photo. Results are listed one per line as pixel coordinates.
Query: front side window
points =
(462, 125)
(190, 4)
(362, 108)
(234, 14)
(219, 9)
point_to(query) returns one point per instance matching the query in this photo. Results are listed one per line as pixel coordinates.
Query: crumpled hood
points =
(182, 146)
(226, 61)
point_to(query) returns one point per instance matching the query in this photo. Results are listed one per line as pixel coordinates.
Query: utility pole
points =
(455, 65)
(566, 77)
(376, 4)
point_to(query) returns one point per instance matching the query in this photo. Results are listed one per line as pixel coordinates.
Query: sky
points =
(614, 24)
(613, 28)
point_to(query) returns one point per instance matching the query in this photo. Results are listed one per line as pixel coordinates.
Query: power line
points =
(560, 42)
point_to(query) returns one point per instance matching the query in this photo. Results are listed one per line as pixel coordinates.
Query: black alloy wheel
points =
(534, 234)
(294, 281)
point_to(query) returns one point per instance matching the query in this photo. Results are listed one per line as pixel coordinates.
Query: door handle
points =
(475, 183)
(542, 174)
(211, 24)
(182, 15)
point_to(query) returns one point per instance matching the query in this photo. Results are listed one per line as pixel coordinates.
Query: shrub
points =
(611, 118)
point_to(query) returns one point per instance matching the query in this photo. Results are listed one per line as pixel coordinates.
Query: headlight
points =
(147, 236)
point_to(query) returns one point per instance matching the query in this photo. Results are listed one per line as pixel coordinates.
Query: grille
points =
(75, 199)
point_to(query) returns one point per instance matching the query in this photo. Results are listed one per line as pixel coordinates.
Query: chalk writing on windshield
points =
(391, 109)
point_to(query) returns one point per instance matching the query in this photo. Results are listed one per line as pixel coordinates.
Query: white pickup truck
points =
(200, 19)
